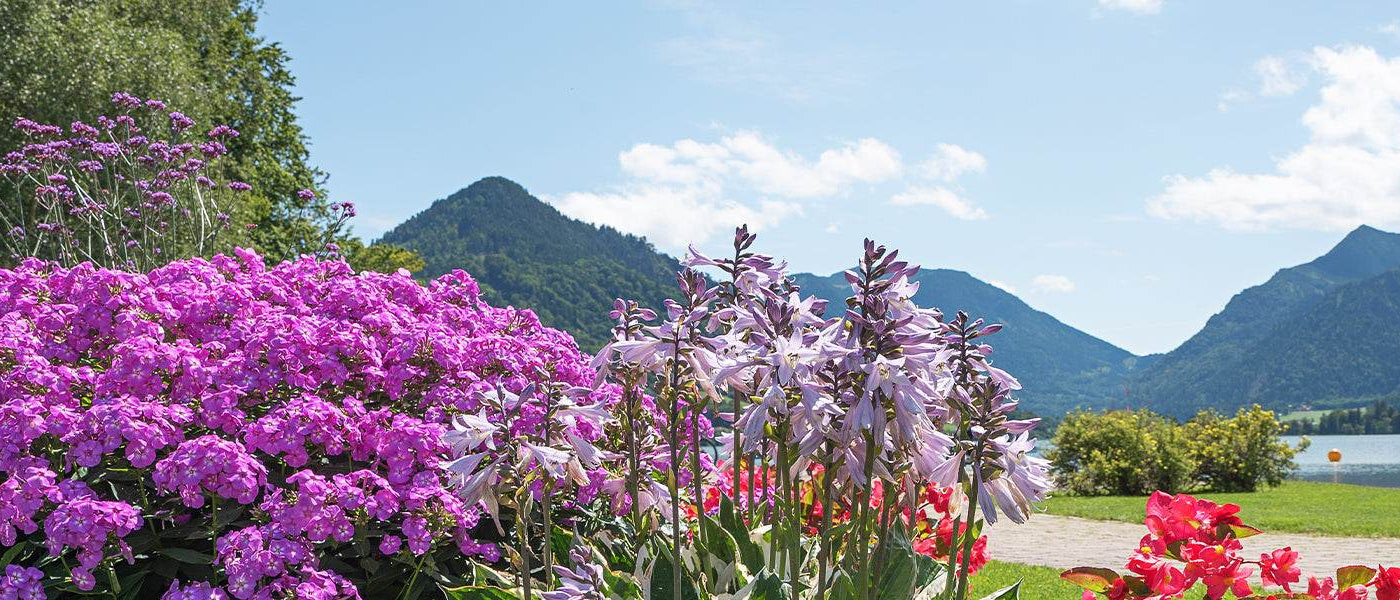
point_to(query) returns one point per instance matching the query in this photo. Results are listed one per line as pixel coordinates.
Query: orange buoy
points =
(1334, 455)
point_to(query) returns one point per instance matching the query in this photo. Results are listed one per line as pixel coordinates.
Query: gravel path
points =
(1064, 542)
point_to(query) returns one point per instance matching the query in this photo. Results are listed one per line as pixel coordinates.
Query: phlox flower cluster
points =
(1194, 542)
(284, 422)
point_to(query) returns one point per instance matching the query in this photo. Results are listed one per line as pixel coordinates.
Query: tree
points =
(64, 59)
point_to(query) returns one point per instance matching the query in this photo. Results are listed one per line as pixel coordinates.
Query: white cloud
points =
(670, 215)
(943, 198)
(1347, 174)
(1142, 7)
(1008, 288)
(748, 159)
(832, 228)
(1057, 284)
(1277, 78)
(689, 190)
(950, 161)
(1391, 28)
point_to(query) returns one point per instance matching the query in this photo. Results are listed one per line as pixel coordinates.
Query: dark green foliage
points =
(1123, 453)
(63, 59)
(1061, 367)
(1380, 417)
(1318, 333)
(525, 253)
(1240, 453)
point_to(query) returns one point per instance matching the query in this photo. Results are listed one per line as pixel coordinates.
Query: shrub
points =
(1120, 452)
(272, 432)
(1240, 453)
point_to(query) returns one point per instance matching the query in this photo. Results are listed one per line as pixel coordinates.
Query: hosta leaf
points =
(1094, 579)
(749, 552)
(1354, 575)
(477, 592)
(1012, 592)
(661, 572)
(768, 587)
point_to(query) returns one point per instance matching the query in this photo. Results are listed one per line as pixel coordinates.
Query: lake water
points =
(1366, 459)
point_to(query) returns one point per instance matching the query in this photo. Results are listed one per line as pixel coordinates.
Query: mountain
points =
(1321, 332)
(1061, 367)
(525, 253)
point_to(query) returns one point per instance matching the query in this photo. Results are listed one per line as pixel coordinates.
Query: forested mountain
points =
(1061, 367)
(1325, 332)
(525, 253)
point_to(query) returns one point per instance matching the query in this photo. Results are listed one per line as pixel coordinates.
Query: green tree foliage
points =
(1337, 314)
(1120, 453)
(382, 258)
(1380, 417)
(63, 59)
(1241, 453)
(525, 253)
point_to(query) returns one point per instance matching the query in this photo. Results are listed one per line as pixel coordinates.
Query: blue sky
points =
(1125, 165)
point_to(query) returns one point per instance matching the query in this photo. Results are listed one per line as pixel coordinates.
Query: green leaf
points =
(767, 587)
(661, 572)
(621, 586)
(749, 552)
(718, 541)
(1012, 592)
(477, 592)
(842, 588)
(1354, 575)
(559, 541)
(1094, 579)
(185, 555)
(901, 570)
(12, 553)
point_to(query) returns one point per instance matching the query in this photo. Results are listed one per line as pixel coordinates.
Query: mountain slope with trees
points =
(1060, 367)
(525, 253)
(1320, 332)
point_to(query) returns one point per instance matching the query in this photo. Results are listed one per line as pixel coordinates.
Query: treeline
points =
(1379, 417)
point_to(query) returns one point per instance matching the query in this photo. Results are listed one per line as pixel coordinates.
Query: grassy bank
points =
(1295, 506)
(1036, 582)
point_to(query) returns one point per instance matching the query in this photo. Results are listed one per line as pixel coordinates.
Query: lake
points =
(1366, 459)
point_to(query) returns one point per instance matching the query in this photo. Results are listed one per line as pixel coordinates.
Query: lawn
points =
(1036, 582)
(1295, 506)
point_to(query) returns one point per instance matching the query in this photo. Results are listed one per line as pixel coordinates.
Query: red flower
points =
(1387, 583)
(1281, 568)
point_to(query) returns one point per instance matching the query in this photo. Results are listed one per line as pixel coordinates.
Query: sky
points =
(1124, 165)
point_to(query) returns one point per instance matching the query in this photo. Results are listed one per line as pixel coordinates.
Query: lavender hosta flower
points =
(1024, 479)
(583, 581)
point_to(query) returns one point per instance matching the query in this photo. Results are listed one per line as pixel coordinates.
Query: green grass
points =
(1295, 506)
(1305, 414)
(1036, 582)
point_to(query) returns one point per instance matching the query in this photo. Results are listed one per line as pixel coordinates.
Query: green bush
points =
(1120, 452)
(1240, 453)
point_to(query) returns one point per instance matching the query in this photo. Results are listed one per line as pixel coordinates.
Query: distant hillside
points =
(1325, 330)
(525, 253)
(1061, 367)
